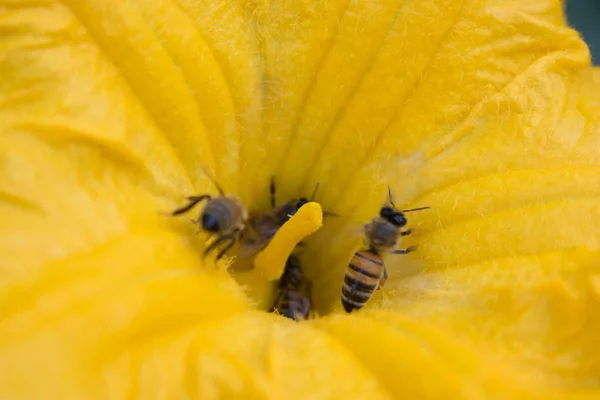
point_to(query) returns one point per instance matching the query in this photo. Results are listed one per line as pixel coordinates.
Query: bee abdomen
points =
(362, 278)
(292, 276)
(366, 285)
(294, 305)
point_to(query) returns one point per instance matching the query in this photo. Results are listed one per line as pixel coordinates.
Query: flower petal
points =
(68, 323)
(484, 110)
(278, 357)
(486, 171)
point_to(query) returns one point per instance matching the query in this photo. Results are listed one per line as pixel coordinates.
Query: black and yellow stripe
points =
(362, 278)
(294, 299)
(293, 304)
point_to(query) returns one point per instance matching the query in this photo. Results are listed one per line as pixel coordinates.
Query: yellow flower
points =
(485, 110)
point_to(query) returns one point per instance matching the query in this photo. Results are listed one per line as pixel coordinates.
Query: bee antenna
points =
(330, 214)
(390, 196)
(272, 191)
(312, 197)
(416, 209)
(213, 180)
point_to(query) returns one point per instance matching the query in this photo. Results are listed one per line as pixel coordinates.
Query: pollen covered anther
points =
(270, 262)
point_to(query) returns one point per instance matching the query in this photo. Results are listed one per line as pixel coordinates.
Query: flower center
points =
(298, 273)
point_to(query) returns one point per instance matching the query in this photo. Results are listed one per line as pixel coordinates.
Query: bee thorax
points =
(381, 235)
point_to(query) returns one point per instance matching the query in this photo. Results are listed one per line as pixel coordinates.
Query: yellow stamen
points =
(271, 261)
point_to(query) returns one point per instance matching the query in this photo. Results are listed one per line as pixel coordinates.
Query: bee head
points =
(301, 202)
(210, 223)
(288, 209)
(393, 216)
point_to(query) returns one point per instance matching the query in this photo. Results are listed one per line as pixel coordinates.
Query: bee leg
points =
(406, 232)
(232, 237)
(232, 241)
(214, 245)
(195, 222)
(383, 279)
(406, 251)
(238, 269)
(193, 200)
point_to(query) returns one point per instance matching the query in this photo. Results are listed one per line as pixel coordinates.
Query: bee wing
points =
(257, 233)
(250, 251)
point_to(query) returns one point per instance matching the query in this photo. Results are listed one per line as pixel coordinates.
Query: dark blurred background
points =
(584, 15)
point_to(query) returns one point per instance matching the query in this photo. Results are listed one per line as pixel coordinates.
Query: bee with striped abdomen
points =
(294, 297)
(223, 216)
(366, 271)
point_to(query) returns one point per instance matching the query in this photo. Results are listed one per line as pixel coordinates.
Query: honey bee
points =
(262, 226)
(294, 298)
(366, 271)
(223, 216)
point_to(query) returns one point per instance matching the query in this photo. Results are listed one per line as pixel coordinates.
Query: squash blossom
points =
(487, 111)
